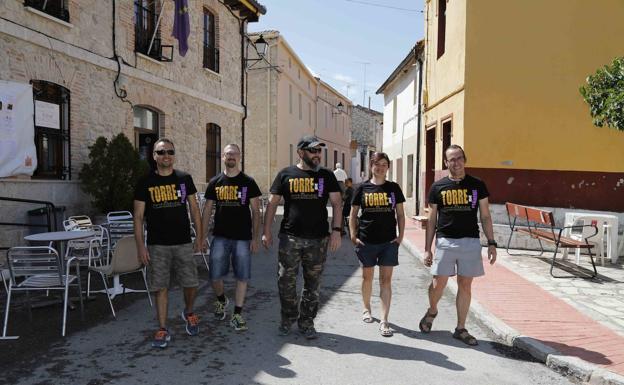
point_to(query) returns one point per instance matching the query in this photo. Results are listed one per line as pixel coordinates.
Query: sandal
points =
(384, 329)
(366, 316)
(465, 337)
(426, 322)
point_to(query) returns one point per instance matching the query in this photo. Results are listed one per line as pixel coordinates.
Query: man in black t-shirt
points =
(160, 200)
(232, 193)
(453, 204)
(304, 235)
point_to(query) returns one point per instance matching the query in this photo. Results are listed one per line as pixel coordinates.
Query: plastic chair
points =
(588, 231)
(115, 216)
(81, 220)
(41, 269)
(124, 261)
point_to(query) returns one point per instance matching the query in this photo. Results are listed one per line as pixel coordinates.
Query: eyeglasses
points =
(231, 153)
(312, 150)
(163, 152)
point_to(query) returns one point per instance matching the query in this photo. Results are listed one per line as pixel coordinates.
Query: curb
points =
(566, 365)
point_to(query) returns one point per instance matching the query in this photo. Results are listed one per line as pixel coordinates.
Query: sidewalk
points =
(575, 326)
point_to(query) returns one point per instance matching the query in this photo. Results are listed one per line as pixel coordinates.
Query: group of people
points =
(376, 223)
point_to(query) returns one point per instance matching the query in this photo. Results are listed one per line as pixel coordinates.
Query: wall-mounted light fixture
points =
(261, 47)
(339, 109)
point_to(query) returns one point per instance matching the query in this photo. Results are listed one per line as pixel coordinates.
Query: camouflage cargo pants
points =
(311, 255)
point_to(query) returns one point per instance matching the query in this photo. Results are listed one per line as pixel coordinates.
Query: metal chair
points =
(90, 250)
(124, 261)
(39, 268)
(115, 216)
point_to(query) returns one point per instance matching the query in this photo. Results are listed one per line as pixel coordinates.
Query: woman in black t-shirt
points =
(375, 239)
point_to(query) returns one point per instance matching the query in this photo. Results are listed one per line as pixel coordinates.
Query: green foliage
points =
(604, 93)
(112, 173)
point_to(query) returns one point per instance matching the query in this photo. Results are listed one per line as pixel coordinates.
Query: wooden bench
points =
(540, 224)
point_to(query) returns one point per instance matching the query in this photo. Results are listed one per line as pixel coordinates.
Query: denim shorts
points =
(222, 251)
(164, 259)
(382, 254)
(461, 256)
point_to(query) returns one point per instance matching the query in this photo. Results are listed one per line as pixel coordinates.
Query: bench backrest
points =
(530, 214)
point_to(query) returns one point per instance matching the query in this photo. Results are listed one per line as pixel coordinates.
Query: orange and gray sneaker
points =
(161, 338)
(192, 323)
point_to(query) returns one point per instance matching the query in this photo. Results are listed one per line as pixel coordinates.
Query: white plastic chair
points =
(41, 268)
(598, 239)
(125, 260)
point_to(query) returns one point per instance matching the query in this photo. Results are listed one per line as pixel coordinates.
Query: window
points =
(299, 73)
(146, 18)
(441, 27)
(399, 172)
(447, 128)
(291, 154)
(211, 52)
(344, 166)
(394, 115)
(56, 8)
(289, 63)
(146, 132)
(290, 102)
(390, 173)
(410, 176)
(310, 114)
(300, 108)
(335, 157)
(51, 130)
(326, 115)
(213, 150)
(326, 157)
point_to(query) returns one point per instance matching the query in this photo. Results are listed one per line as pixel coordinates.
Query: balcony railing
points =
(144, 27)
(55, 8)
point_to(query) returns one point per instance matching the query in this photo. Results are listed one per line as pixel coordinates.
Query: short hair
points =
(232, 145)
(164, 140)
(338, 165)
(376, 157)
(455, 147)
(348, 180)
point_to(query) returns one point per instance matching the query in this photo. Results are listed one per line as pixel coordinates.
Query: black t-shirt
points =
(232, 197)
(165, 200)
(458, 203)
(305, 195)
(377, 223)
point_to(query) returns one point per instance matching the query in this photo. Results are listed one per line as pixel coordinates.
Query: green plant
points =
(604, 93)
(112, 172)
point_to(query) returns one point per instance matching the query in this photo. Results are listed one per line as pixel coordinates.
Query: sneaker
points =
(192, 323)
(309, 333)
(283, 330)
(161, 338)
(219, 308)
(238, 322)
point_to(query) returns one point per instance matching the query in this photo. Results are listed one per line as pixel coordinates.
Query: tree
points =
(604, 93)
(112, 173)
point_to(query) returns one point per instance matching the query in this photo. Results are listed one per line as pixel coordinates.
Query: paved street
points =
(347, 352)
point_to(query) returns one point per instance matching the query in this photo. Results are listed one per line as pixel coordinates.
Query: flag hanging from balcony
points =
(181, 25)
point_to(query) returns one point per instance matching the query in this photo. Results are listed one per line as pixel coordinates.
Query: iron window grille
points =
(55, 8)
(146, 19)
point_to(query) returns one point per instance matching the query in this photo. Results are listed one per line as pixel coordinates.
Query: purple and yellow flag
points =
(181, 25)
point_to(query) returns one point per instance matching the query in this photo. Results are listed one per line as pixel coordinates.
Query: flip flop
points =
(384, 329)
(366, 316)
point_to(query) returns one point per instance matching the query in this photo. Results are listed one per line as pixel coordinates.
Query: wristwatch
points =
(492, 242)
(336, 229)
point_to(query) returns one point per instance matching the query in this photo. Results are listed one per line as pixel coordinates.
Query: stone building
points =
(366, 138)
(110, 67)
(286, 101)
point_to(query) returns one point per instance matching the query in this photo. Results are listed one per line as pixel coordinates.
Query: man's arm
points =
(488, 228)
(256, 221)
(269, 215)
(206, 215)
(335, 237)
(139, 212)
(400, 216)
(432, 220)
(197, 220)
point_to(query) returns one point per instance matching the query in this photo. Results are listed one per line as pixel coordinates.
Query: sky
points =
(335, 37)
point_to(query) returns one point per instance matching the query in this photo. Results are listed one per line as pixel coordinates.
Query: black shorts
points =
(382, 254)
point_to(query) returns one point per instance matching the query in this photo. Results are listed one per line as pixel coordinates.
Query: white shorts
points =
(461, 256)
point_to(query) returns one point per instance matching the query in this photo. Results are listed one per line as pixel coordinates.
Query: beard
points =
(313, 162)
(230, 163)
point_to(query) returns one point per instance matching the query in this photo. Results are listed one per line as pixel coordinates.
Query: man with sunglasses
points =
(160, 200)
(236, 232)
(304, 232)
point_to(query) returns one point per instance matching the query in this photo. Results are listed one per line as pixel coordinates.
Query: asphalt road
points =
(103, 350)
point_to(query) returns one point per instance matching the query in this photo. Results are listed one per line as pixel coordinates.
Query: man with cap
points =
(304, 235)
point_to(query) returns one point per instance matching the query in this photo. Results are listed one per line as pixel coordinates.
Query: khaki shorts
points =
(164, 259)
(461, 256)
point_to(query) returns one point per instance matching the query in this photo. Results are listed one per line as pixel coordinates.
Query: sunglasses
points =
(163, 152)
(312, 150)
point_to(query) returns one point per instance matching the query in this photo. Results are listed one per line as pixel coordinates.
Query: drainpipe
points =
(420, 92)
(243, 92)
